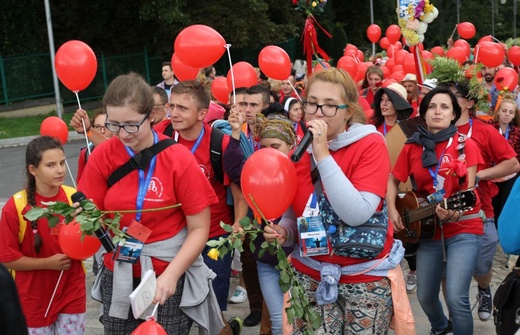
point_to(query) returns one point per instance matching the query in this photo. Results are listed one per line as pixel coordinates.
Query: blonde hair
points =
(349, 92)
(276, 85)
(509, 100)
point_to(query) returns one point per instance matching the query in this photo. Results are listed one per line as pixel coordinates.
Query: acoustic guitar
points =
(420, 222)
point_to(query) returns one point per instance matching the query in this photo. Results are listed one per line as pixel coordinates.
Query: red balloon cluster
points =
(269, 177)
(69, 238)
(55, 127)
(76, 65)
(275, 62)
(199, 46)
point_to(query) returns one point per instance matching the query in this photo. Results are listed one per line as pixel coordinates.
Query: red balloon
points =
(183, 71)
(466, 30)
(386, 71)
(219, 89)
(384, 43)
(400, 55)
(389, 81)
(55, 127)
(420, 46)
(458, 54)
(150, 327)
(269, 177)
(398, 76)
(390, 63)
(514, 55)
(275, 62)
(199, 46)
(374, 33)
(486, 38)
(490, 54)
(426, 56)
(398, 68)
(393, 33)
(244, 75)
(409, 64)
(348, 64)
(361, 71)
(437, 50)
(399, 45)
(506, 79)
(69, 238)
(76, 65)
(391, 51)
(464, 45)
(360, 56)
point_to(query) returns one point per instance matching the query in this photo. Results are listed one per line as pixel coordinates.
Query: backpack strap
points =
(169, 130)
(365, 92)
(215, 153)
(20, 202)
(140, 161)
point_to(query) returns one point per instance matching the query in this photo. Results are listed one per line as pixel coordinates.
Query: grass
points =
(26, 126)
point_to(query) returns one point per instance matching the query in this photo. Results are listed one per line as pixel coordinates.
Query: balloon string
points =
(299, 97)
(454, 30)
(476, 53)
(228, 46)
(53, 294)
(155, 309)
(70, 174)
(83, 124)
(496, 39)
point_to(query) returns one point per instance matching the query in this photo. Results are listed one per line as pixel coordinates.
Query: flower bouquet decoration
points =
(414, 17)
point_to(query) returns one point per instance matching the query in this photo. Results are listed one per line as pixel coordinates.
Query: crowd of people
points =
(346, 173)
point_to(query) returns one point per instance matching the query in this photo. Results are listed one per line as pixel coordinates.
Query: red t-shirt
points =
(494, 149)
(384, 128)
(367, 165)
(176, 179)
(36, 287)
(161, 126)
(409, 163)
(415, 106)
(220, 211)
(299, 132)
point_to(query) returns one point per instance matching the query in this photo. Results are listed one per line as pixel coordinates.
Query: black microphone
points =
(101, 233)
(304, 144)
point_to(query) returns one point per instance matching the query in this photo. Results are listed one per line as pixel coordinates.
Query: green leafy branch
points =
(299, 304)
(90, 218)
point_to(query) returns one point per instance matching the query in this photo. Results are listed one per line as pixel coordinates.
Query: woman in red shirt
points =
(442, 163)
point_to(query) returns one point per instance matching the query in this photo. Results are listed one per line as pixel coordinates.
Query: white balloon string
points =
(496, 39)
(83, 123)
(53, 294)
(294, 90)
(476, 53)
(70, 173)
(155, 309)
(228, 46)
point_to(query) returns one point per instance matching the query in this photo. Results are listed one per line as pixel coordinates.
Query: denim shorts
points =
(488, 249)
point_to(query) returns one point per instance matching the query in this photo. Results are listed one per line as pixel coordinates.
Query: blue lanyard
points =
(434, 175)
(296, 127)
(143, 182)
(314, 200)
(199, 139)
(384, 128)
(506, 135)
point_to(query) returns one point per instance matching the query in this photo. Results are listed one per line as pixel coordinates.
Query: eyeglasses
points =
(129, 128)
(99, 128)
(326, 109)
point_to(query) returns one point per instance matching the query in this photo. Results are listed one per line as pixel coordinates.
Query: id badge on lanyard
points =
(312, 234)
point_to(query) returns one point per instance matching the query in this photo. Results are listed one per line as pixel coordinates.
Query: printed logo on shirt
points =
(205, 171)
(155, 189)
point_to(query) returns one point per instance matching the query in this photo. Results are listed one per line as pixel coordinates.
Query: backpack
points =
(506, 305)
(20, 202)
(215, 150)
(509, 229)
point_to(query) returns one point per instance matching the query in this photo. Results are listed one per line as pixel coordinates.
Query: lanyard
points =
(254, 144)
(384, 128)
(197, 142)
(434, 175)
(296, 127)
(506, 135)
(143, 181)
(470, 127)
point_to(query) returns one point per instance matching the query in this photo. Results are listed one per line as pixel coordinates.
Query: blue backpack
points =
(509, 224)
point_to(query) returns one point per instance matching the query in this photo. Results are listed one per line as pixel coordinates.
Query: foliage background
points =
(117, 27)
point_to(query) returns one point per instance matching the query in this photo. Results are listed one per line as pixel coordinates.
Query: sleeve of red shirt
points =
(9, 228)
(401, 168)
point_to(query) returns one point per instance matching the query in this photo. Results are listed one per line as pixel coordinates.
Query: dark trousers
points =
(250, 275)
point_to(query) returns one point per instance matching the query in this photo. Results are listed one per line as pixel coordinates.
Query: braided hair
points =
(33, 156)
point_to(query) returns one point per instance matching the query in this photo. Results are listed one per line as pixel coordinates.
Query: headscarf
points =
(276, 128)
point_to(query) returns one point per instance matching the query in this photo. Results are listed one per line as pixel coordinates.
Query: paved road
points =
(12, 179)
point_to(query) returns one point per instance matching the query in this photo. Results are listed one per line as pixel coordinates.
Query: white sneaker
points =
(411, 282)
(239, 296)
